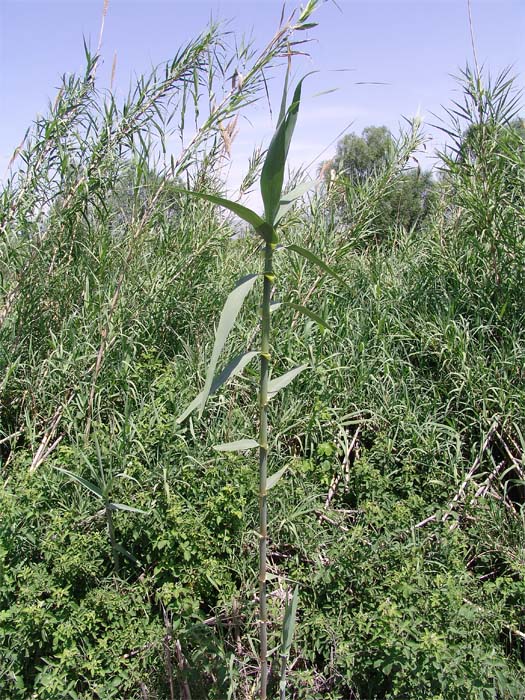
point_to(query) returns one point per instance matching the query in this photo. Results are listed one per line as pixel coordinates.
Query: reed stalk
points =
(263, 462)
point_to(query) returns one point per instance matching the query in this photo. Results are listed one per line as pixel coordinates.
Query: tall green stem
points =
(263, 465)
(112, 539)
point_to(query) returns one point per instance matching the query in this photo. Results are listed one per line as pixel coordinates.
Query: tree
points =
(407, 198)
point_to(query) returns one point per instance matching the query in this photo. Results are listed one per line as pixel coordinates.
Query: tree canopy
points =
(407, 199)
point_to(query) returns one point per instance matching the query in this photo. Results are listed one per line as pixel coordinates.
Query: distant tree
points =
(481, 140)
(358, 158)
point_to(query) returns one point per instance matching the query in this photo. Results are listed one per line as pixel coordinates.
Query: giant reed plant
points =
(275, 207)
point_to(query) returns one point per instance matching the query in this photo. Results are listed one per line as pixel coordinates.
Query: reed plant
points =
(275, 207)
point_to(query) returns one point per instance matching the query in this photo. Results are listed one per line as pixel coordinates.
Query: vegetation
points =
(411, 192)
(128, 546)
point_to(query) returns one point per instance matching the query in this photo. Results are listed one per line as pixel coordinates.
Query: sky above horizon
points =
(413, 46)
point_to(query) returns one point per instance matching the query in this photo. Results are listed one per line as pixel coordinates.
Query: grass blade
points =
(227, 320)
(264, 229)
(83, 482)
(290, 616)
(237, 446)
(233, 368)
(272, 174)
(274, 478)
(130, 509)
(288, 200)
(313, 316)
(312, 257)
(275, 385)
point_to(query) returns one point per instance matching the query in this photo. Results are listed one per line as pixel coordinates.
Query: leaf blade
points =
(122, 506)
(275, 385)
(272, 174)
(287, 201)
(229, 314)
(274, 478)
(233, 368)
(313, 258)
(83, 482)
(237, 446)
(311, 314)
(262, 227)
(289, 622)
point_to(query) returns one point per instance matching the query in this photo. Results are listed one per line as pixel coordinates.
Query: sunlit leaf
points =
(121, 506)
(306, 312)
(274, 478)
(289, 622)
(83, 482)
(272, 174)
(288, 200)
(237, 446)
(227, 320)
(265, 230)
(312, 257)
(233, 368)
(275, 385)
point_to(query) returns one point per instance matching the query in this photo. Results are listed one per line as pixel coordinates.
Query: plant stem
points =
(113, 541)
(263, 465)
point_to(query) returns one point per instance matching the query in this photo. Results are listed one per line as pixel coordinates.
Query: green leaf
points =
(284, 96)
(265, 230)
(274, 478)
(233, 368)
(312, 257)
(237, 446)
(127, 554)
(304, 310)
(83, 482)
(308, 25)
(287, 200)
(227, 320)
(121, 506)
(272, 174)
(310, 7)
(275, 385)
(289, 622)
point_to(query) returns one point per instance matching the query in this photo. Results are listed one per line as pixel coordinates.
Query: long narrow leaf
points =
(284, 97)
(272, 174)
(290, 615)
(312, 257)
(127, 554)
(121, 506)
(288, 200)
(289, 622)
(306, 312)
(83, 482)
(237, 446)
(233, 368)
(275, 385)
(265, 230)
(274, 478)
(227, 320)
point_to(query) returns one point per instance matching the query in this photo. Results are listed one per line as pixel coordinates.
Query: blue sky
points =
(413, 45)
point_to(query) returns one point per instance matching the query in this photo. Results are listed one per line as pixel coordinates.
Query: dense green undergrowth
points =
(401, 513)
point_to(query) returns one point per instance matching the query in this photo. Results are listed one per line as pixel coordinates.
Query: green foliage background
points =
(411, 581)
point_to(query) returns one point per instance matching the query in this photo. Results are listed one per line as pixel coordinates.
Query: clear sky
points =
(413, 45)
